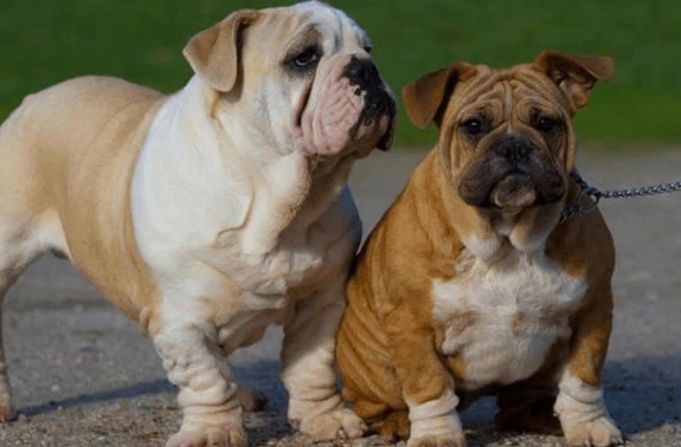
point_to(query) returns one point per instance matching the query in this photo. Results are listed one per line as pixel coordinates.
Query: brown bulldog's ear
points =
(574, 74)
(426, 98)
(214, 53)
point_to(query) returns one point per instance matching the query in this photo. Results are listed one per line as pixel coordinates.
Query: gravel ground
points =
(83, 375)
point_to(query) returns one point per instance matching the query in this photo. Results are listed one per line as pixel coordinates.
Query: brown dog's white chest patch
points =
(502, 318)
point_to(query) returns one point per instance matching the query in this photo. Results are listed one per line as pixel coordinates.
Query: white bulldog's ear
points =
(575, 75)
(426, 98)
(214, 53)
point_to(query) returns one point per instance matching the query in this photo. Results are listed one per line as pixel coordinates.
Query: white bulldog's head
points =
(299, 78)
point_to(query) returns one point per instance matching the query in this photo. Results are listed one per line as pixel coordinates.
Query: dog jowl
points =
(512, 173)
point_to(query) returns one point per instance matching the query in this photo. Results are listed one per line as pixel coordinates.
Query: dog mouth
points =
(517, 190)
(511, 174)
(348, 110)
(513, 189)
(367, 84)
(380, 110)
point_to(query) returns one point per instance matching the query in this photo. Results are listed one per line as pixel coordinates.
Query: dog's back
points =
(76, 119)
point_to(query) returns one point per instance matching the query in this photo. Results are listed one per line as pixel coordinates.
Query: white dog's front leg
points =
(315, 405)
(208, 394)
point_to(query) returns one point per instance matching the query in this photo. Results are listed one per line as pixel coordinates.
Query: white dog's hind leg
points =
(17, 251)
(208, 394)
(5, 396)
(315, 405)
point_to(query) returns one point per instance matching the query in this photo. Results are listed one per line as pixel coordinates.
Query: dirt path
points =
(83, 375)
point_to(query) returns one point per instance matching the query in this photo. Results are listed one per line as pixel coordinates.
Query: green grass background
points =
(45, 41)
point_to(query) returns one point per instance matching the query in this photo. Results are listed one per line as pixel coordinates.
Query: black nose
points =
(362, 72)
(514, 149)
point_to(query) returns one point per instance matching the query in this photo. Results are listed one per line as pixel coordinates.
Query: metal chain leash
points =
(596, 195)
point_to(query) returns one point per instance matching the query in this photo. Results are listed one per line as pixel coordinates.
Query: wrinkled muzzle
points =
(348, 109)
(511, 174)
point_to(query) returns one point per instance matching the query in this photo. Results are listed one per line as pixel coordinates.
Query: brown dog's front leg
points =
(427, 386)
(580, 405)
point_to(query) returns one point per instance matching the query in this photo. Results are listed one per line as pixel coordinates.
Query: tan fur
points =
(212, 53)
(99, 186)
(389, 344)
(211, 213)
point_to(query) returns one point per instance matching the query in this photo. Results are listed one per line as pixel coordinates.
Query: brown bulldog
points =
(470, 285)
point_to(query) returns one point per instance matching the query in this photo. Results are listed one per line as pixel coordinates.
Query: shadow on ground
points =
(128, 392)
(642, 394)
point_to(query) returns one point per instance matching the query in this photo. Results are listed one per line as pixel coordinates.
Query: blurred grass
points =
(45, 41)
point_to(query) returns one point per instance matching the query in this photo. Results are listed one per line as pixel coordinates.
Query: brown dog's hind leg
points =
(386, 421)
(369, 380)
(528, 405)
(523, 408)
(394, 426)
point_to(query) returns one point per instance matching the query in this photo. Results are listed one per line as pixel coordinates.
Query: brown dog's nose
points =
(514, 149)
(362, 72)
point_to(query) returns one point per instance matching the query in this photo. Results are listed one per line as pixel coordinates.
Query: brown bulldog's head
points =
(506, 134)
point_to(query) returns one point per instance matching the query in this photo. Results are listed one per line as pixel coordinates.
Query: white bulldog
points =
(209, 214)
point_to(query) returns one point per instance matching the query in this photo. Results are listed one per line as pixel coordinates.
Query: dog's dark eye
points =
(369, 49)
(473, 127)
(307, 58)
(546, 124)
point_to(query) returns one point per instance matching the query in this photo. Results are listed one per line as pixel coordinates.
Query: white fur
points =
(333, 18)
(583, 415)
(319, 9)
(239, 234)
(436, 417)
(520, 287)
(239, 223)
(208, 225)
(484, 249)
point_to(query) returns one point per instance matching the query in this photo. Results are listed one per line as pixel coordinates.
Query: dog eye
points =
(546, 124)
(307, 58)
(473, 127)
(368, 49)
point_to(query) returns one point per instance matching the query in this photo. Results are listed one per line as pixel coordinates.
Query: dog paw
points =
(600, 432)
(337, 424)
(395, 426)
(221, 436)
(450, 440)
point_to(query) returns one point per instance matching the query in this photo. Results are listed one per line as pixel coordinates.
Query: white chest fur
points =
(503, 318)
